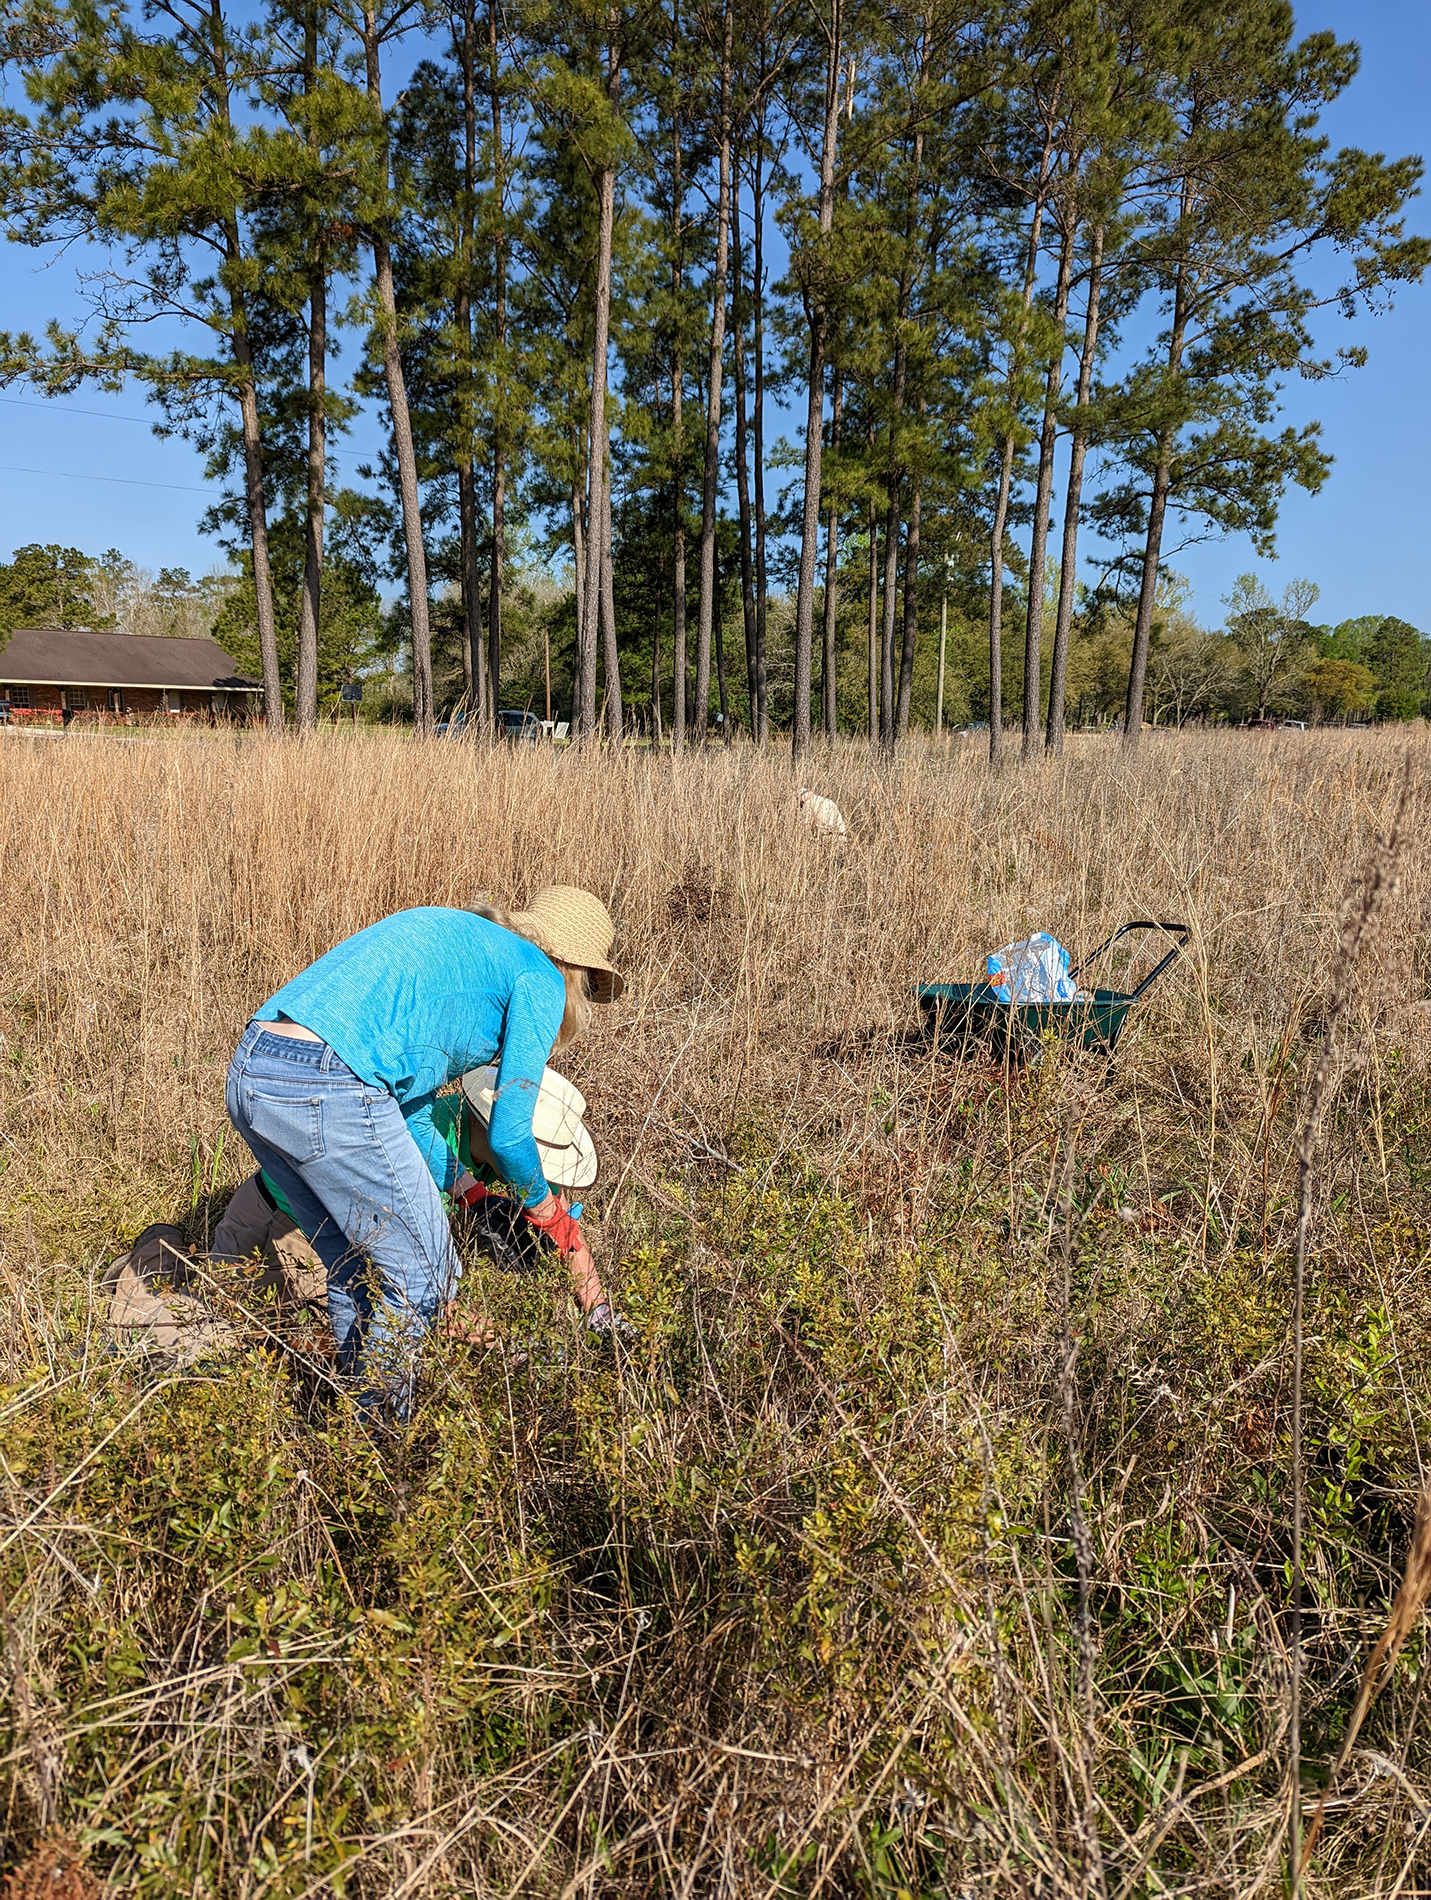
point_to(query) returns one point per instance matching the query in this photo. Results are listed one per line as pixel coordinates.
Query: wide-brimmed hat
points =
(568, 1154)
(574, 927)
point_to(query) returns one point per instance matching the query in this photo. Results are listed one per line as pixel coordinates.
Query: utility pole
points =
(943, 635)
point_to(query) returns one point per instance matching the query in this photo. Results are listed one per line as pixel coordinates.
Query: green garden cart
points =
(969, 1021)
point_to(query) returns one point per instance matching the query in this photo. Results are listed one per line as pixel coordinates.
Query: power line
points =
(125, 481)
(69, 408)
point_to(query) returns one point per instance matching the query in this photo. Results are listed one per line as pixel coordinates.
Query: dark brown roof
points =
(45, 656)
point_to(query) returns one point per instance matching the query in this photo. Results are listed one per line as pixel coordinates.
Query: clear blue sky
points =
(1363, 539)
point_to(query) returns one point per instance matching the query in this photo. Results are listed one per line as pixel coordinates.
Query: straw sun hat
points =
(574, 927)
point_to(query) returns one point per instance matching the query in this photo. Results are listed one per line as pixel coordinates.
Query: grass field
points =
(934, 1538)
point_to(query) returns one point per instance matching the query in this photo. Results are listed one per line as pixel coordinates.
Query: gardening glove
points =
(561, 1228)
(607, 1323)
(467, 1191)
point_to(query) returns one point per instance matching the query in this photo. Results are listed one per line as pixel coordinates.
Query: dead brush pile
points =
(932, 1540)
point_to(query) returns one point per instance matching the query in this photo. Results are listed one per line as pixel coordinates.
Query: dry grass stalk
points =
(1411, 1600)
(1086, 1824)
(1362, 916)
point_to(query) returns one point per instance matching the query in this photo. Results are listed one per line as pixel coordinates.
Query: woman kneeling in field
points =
(333, 1087)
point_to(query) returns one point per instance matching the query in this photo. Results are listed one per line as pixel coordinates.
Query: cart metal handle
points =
(1180, 931)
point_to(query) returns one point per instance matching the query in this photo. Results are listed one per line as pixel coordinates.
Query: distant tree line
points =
(1271, 662)
(999, 227)
(46, 585)
(1268, 661)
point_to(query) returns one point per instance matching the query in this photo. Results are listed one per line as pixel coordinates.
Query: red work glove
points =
(559, 1227)
(469, 1196)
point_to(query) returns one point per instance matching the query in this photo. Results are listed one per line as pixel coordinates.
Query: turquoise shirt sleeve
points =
(430, 1125)
(533, 1020)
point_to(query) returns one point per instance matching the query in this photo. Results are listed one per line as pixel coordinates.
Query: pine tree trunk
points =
(464, 489)
(873, 619)
(678, 616)
(1073, 501)
(656, 680)
(815, 402)
(494, 608)
(1038, 549)
(596, 458)
(402, 425)
(742, 450)
(1147, 593)
(890, 723)
(610, 656)
(899, 720)
(828, 707)
(305, 694)
(578, 550)
(721, 679)
(887, 719)
(1006, 465)
(911, 613)
(257, 526)
(242, 348)
(708, 609)
(943, 639)
(829, 671)
(996, 606)
(887, 622)
(1153, 545)
(422, 708)
(310, 604)
(760, 714)
(474, 646)
(499, 323)
(678, 379)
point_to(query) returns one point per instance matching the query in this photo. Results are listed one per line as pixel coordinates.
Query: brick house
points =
(51, 676)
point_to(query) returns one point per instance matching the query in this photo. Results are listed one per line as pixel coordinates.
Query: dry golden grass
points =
(158, 891)
(871, 1268)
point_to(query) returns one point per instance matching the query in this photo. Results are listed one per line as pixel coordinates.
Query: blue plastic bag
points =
(1033, 971)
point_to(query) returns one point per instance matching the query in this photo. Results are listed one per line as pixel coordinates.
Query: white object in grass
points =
(822, 815)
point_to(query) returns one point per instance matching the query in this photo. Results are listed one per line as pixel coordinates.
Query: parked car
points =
(523, 728)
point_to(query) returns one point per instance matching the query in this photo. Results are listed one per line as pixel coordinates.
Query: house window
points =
(116, 700)
(76, 699)
(17, 696)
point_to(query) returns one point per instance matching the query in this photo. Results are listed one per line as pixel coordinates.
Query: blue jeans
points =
(340, 1151)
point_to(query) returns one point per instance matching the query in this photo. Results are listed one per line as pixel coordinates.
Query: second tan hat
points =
(564, 1144)
(574, 927)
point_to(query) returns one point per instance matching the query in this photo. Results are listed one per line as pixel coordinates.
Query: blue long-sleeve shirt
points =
(422, 997)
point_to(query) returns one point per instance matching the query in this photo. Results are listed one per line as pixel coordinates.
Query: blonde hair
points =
(576, 1017)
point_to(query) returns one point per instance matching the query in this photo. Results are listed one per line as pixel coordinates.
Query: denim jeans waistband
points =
(259, 1040)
